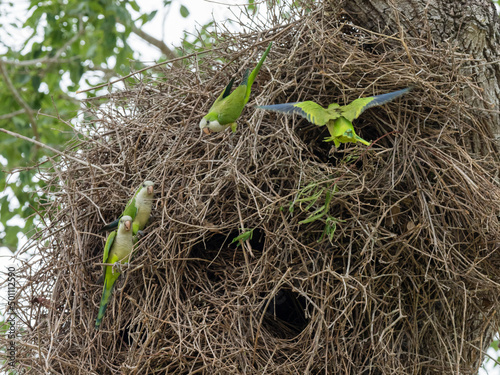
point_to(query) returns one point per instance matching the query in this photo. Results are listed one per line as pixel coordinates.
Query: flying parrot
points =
(117, 250)
(338, 119)
(138, 208)
(229, 105)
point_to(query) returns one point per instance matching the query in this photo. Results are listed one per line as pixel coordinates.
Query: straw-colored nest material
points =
(404, 284)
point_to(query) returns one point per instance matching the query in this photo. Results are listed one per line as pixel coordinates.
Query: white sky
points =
(169, 26)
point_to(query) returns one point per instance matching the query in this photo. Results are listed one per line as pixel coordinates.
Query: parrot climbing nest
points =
(268, 251)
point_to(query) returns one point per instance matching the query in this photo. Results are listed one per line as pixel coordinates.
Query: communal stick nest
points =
(395, 275)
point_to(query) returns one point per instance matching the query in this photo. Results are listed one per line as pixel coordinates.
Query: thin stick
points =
(40, 144)
(147, 68)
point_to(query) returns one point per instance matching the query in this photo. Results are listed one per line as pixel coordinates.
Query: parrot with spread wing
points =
(138, 208)
(338, 119)
(229, 105)
(118, 248)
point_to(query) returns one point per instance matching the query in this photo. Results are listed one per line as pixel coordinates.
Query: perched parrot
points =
(138, 208)
(229, 105)
(338, 119)
(117, 250)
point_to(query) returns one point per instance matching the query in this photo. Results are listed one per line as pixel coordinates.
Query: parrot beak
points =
(206, 130)
(150, 189)
(128, 225)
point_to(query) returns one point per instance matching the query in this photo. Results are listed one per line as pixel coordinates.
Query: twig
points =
(147, 68)
(155, 42)
(12, 114)
(20, 100)
(40, 144)
(47, 59)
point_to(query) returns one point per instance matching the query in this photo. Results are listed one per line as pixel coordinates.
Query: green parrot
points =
(229, 105)
(138, 208)
(117, 250)
(338, 119)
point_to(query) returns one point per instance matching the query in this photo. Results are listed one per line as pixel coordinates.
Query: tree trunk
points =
(470, 27)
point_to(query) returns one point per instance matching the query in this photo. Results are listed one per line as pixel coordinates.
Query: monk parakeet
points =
(138, 208)
(338, 119)
(117, 250)
(229, 105)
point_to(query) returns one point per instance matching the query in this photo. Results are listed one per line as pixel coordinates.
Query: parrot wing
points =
(107, 246)
(131, 207)
(229, 109)
(309, 110)
(357, 107)
(114, 251)
(105, 256)
(224, 94)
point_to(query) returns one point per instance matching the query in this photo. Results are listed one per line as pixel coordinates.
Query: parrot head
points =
(125, 223)
(149, 186)
(210, 124)
(349, 134)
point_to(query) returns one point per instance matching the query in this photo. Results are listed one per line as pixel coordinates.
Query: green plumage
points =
(118, 248)
(228, 106)
(338, 119)
(138, 208)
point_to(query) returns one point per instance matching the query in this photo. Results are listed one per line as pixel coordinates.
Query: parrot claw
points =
(140, 234)
(119, 267)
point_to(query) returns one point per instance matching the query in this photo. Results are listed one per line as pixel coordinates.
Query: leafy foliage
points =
(245, 236)
(67, 44)
(312, 195)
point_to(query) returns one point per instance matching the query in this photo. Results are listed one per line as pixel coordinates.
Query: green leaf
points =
(318, 214)
(494, 345)
(312, 194)
(330, 227)
(151, 15)
(184, 11)
(243, 237)
(10, 240)
(251, 6)
(134, 6)
(35, 82)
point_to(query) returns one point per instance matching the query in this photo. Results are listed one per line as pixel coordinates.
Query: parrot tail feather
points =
(244, 80)
(249, 80)
(106, 294)
(359, 139)
(111, 226)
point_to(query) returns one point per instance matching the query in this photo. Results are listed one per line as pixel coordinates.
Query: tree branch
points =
(147, 68)
(20, 100)
(41, 60)
(12, 114)
(47, 59)
(155, 42)
(43, 145)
